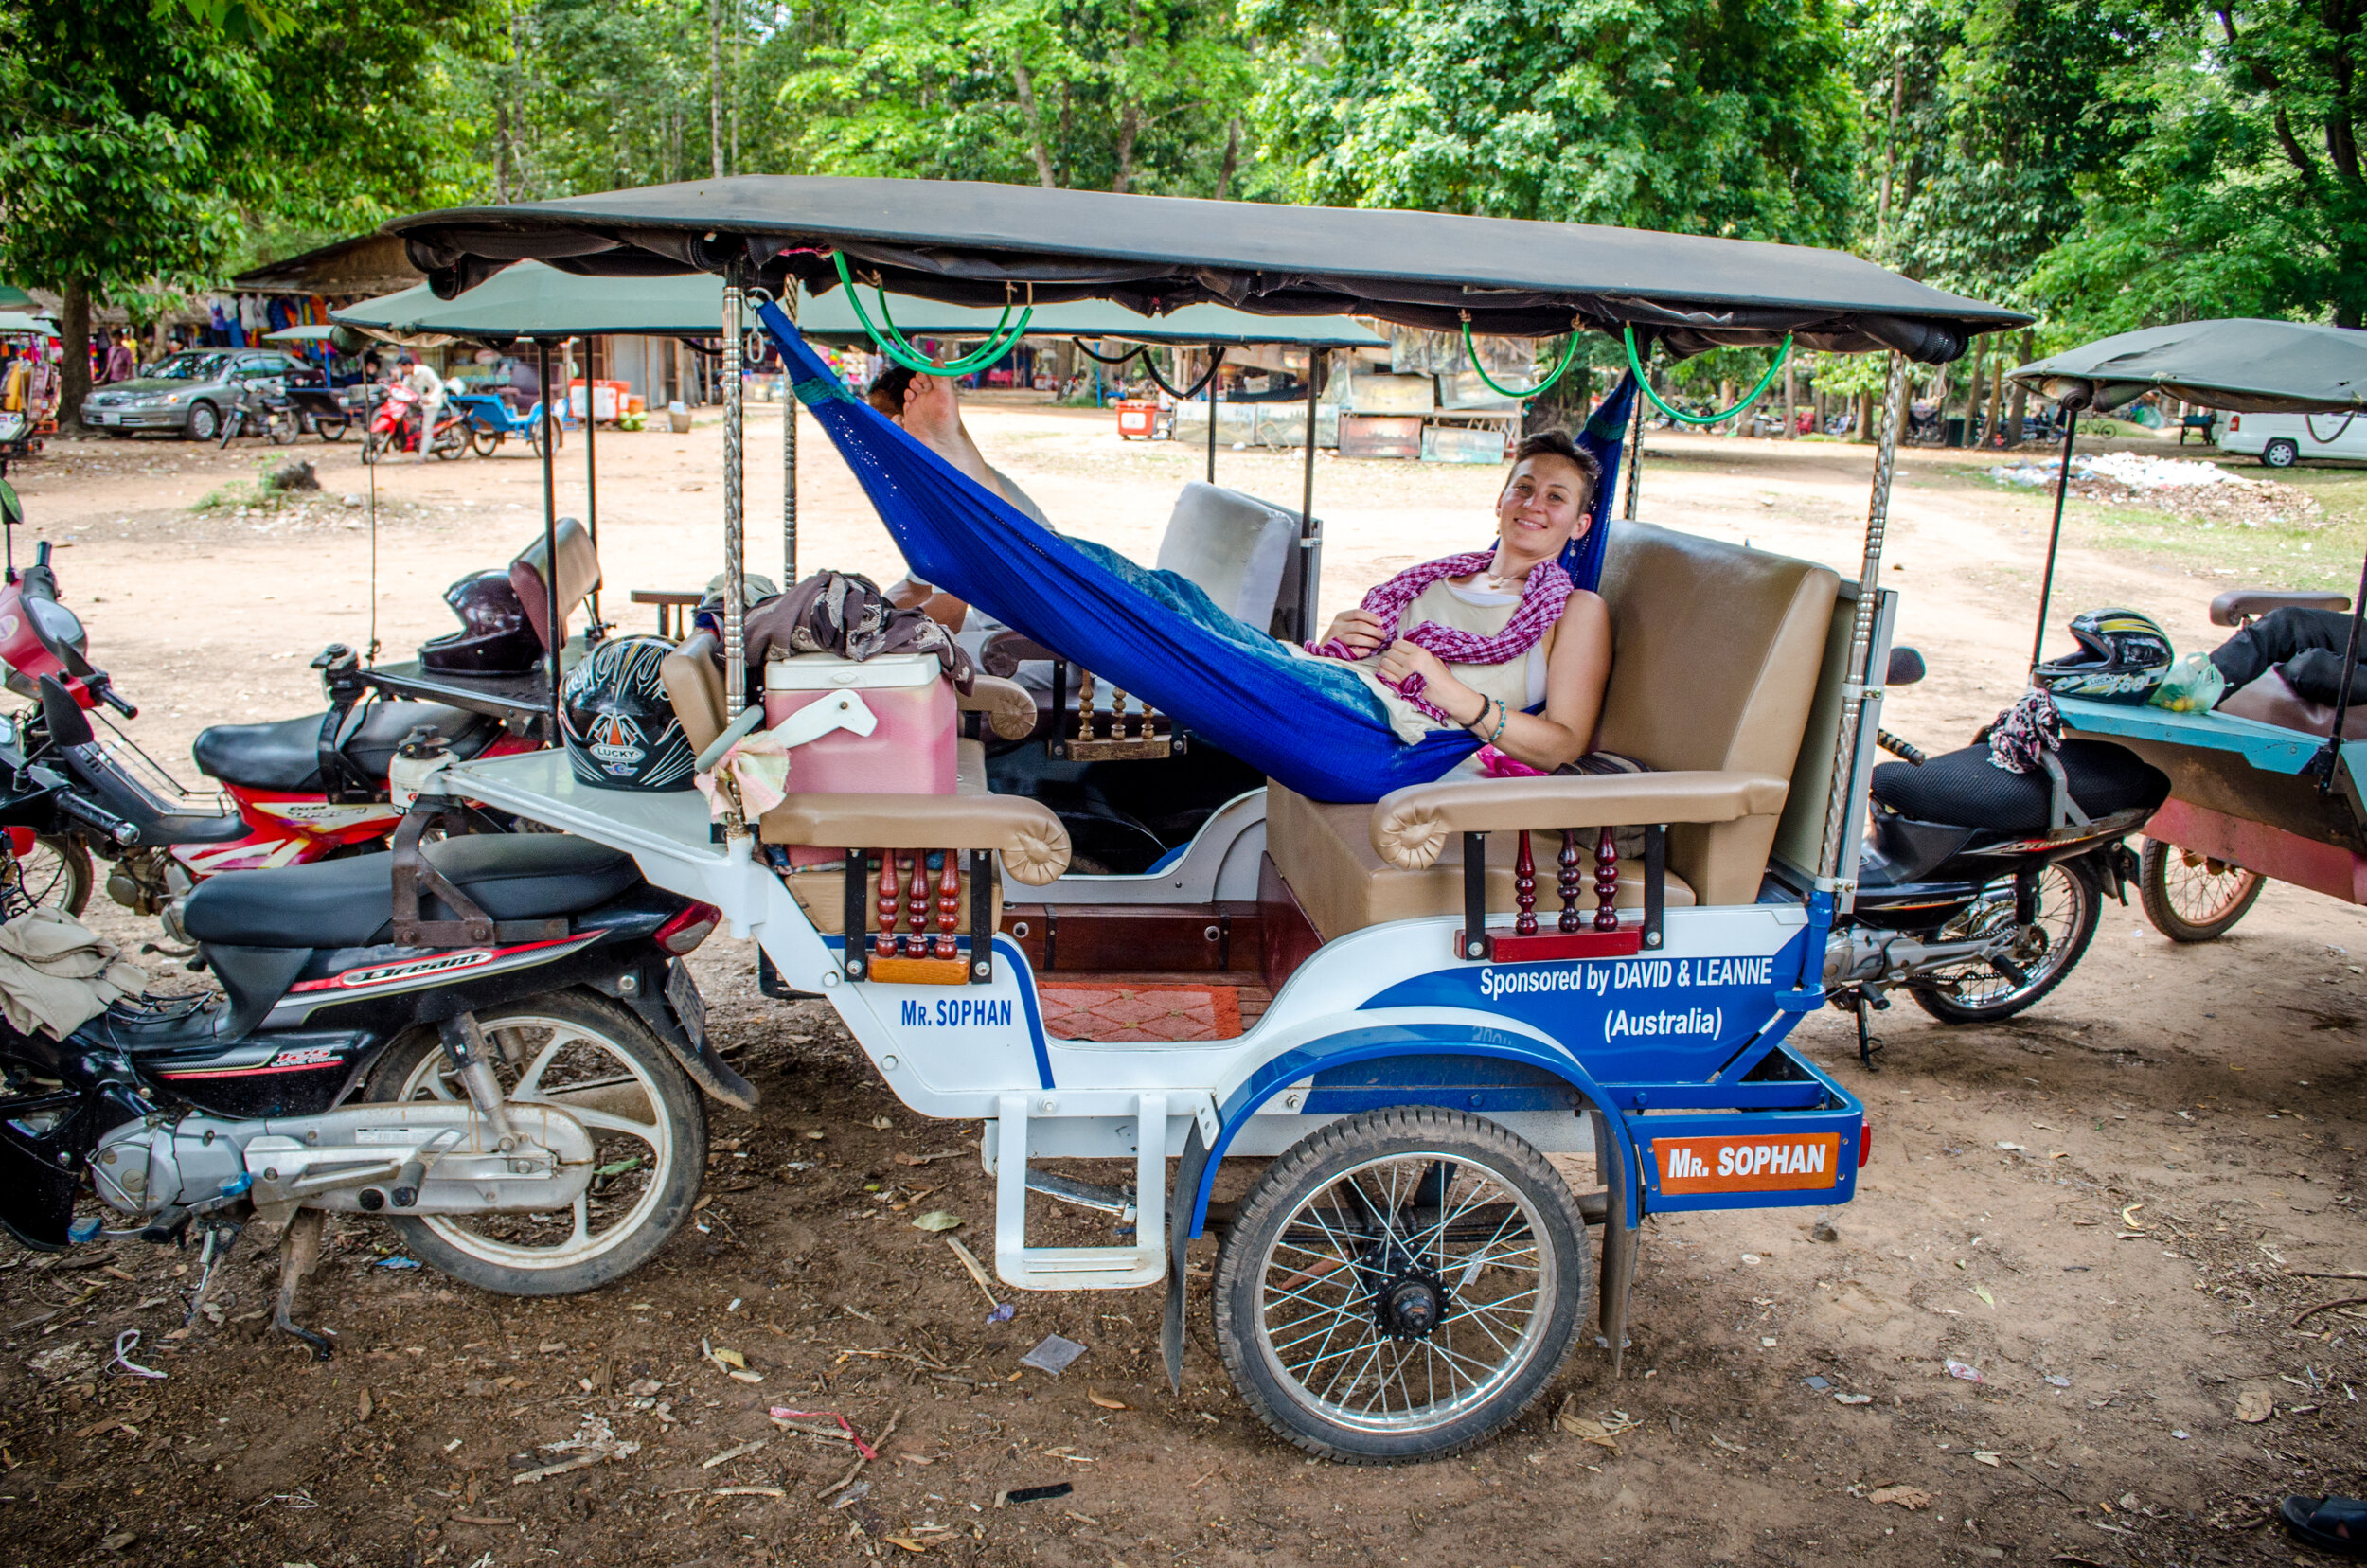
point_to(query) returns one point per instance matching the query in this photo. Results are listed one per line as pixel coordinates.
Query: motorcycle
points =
(395, 427)
(491, 1042)
(260, 407)
(1978, 889)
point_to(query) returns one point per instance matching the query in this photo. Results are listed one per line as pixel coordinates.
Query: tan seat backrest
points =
(578, 574)
(694, 683)
(1717, 650)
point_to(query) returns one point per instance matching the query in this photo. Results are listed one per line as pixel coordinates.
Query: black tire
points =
(2069, 903)
(496, 1251)
(1468, 1157)
(487, 442)
(233, 426)
(329, 429)
(57, 874)
(2280, 454)
(2191, 898)
(451, 442)
(205, 422)
(280, 427)
(374, 447)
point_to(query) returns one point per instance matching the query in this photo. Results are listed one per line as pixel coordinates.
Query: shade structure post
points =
(1310, 551)
(1212, 419)
(2053, 538)
(591, 474)
(2330, 756)
(550, 529)
(1861, 677)
(788, 456)
(734, 519)
(1635, 455)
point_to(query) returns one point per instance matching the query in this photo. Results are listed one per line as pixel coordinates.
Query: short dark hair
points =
(886, 393)
(1557, 444)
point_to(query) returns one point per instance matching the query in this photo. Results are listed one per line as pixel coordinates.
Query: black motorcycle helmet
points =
(495, 637)
(2123, 656)
(618, 724)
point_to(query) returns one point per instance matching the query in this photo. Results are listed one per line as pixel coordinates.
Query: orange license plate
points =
(1762, 1163)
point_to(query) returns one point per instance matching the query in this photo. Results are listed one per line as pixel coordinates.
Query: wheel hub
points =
(1411, 1306)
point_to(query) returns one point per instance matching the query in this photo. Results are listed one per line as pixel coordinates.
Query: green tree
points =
(1706, 117)
(2246, 196)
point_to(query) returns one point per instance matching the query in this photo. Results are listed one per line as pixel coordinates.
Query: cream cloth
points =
(1518, 683)
(58, 974)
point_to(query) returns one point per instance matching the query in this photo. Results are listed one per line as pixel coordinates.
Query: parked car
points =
(2280, 441)
(187, 394)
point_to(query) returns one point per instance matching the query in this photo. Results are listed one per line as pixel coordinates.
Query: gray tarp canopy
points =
(2251, 366)
(975, 243)
(533, 300)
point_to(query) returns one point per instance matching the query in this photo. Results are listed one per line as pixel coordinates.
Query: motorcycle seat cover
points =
(285, 753)
(352, 902)
(1962, 789)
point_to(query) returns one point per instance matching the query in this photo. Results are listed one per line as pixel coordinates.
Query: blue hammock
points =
(1311, 726)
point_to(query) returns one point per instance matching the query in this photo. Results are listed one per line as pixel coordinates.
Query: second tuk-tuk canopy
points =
(2251, 366)
(996, 246)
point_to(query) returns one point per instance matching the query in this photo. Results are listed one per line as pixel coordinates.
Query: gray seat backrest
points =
(1235, 548)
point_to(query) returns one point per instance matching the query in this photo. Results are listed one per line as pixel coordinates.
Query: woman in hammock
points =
(1472, 641)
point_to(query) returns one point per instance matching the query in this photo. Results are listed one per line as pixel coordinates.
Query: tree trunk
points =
(1035, 125)
(1232, 158)
(1792, 399)
(1130, 127)
(1862, 427)
(715, 86)
(2020, 407)
(1997, 403)
(74, 375)
(1890, 152)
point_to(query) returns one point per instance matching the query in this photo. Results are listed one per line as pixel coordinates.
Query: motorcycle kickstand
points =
(215, 1252)
(299, 1251)
(1867, 1043)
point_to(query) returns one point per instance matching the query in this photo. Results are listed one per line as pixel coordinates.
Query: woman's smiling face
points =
(1544, 504)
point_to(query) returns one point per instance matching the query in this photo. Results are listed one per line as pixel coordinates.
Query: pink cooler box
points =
(912, 752)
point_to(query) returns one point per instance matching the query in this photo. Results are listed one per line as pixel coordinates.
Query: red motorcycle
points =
(395, 427)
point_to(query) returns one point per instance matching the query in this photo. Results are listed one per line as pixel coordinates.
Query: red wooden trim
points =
(2273, 853)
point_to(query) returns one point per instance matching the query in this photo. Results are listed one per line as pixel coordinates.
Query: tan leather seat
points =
(1716, 650)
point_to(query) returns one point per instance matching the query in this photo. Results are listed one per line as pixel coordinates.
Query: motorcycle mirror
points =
(1906, 667)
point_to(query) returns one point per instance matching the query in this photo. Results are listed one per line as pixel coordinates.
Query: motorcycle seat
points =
(350, 903)
(1963, 788)
(285, 753)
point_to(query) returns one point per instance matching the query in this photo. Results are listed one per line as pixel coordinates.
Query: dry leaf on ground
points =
(1905, 1497)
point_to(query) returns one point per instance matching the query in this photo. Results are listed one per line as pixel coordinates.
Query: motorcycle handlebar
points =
(116, 827)
(114, 700)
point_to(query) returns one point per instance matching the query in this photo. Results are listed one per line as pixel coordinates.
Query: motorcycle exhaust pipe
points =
(407, 1181)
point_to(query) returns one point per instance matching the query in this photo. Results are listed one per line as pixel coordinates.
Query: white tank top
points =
(1516, 683)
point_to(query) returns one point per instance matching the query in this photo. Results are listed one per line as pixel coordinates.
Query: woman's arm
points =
(1575, 674)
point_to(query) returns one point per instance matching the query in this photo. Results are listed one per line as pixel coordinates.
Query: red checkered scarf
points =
(1542, 597)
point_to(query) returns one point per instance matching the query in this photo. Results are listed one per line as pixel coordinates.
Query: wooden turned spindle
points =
(949, 902)
(891, 907)
(1606, 882)
(1117, 714)
(1524, 889)
(1571, 879)
(1084, 704)
(916, 944)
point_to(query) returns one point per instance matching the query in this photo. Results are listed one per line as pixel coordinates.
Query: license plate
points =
(690, 1008)
(1773, 1162)
(110, 419)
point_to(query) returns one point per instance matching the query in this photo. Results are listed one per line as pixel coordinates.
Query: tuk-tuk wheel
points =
(2191, 898)
(486, 441)
(331, 429)
(1400, 1285)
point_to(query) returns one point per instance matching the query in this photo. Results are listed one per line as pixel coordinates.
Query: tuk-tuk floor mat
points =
(1114, 1014)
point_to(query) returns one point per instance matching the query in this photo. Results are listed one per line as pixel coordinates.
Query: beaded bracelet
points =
(1503, 717)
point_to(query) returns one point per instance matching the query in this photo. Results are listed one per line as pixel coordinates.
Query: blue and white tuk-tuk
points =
(1406, 1268)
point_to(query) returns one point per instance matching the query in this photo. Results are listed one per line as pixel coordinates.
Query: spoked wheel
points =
(280, 427)
(2192, 898)
(54, 874)
(487, 442)
(329, 429)
(451, 442)
(648, 1124)
(2069, 903)
(374, 446)
(1400, 1285)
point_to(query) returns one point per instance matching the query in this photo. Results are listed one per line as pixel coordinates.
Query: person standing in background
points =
(430, 389)
(119, 367)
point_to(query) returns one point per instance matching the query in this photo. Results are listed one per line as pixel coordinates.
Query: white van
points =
(2280, 441)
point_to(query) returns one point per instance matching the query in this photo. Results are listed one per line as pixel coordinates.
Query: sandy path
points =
(2217, 1087)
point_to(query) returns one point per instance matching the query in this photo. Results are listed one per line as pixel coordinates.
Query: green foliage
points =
(2246, 196)
(1706, 117)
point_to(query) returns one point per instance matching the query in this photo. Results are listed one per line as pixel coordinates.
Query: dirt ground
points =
(2114, 1208)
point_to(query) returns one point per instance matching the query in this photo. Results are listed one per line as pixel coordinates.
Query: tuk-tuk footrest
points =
(1081, 1267)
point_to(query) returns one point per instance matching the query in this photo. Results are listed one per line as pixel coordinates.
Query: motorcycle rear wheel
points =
(2192, 898)
(281, 428)
(2069, 903)
(583, 1052)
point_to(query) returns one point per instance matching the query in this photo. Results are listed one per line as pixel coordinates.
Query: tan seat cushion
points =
(1325, 853)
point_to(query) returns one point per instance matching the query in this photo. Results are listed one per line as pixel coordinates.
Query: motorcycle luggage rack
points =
(414, 872)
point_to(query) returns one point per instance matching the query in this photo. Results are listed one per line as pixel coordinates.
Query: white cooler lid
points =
(829, 672)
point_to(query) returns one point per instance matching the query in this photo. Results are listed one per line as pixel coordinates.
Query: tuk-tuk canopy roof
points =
(975, 243)
(533, 300)
(2251, 366)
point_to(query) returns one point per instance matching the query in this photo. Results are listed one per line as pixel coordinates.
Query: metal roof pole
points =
(1859, 678)
(1635, 455)
(735, 521)
(1212, 419)
(789, 455)
(591, 471)
(551, 638)
(2054, 535)
(1311, 548)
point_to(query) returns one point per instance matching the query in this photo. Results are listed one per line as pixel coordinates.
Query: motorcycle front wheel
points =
(373, 446)
(587, 1054)
(2069, 903)
(56, 874)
